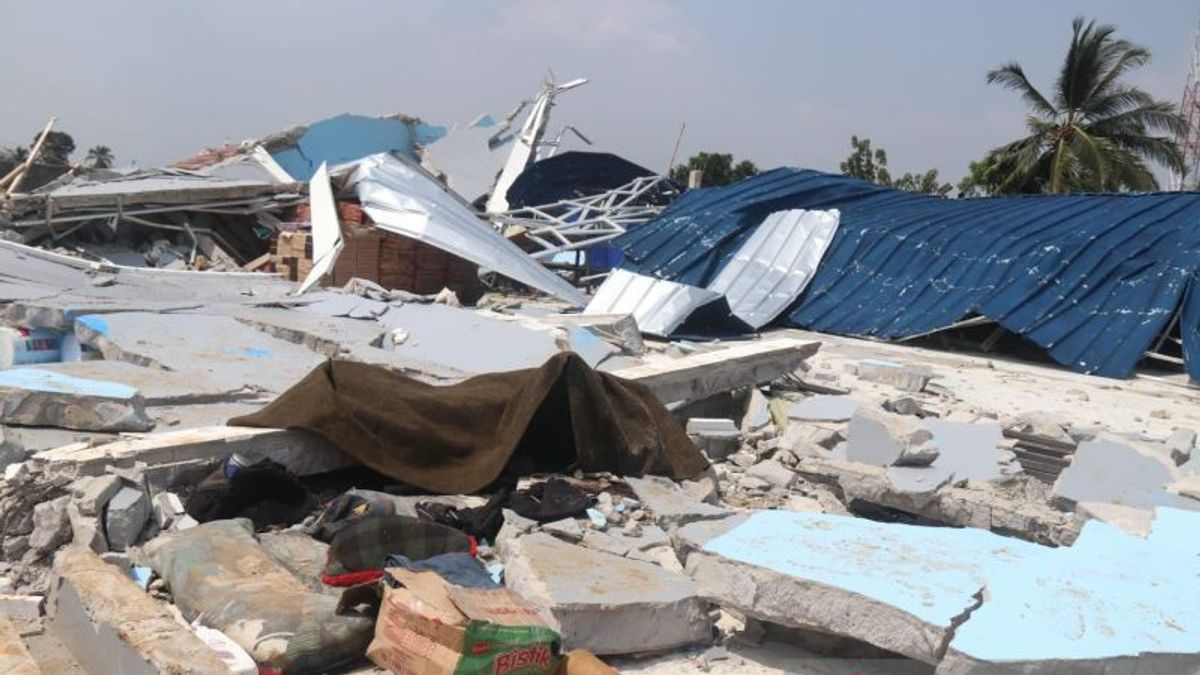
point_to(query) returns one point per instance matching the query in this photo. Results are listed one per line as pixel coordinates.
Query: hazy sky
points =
(779, 82)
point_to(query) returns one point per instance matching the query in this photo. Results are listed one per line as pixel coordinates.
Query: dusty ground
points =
(1144, 404)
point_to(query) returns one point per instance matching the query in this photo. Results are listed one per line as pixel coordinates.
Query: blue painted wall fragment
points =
(346, 138)
(1092, 279)
(33, 379)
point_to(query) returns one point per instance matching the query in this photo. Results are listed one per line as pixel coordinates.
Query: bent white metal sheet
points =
(326, 231)
(658, 305)
(775, 264)
(402, 199)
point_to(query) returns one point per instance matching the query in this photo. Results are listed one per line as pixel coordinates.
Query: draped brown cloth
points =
(457, 439)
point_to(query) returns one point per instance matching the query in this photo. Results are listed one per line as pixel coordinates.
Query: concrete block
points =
(86, 530)
(716, 438)
(774, 473)
(166, 506)
(567, 529)
(758, 412)
(900, 376)
(669, 504)
(51, 526)
(604, 603)
(22, 608)
(91, 493)
(33, 397)
(111, 626)
(126, 517)
(823, 408)
(880, 438)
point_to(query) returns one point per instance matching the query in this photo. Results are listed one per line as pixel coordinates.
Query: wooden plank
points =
(257, 262)
(701, 375)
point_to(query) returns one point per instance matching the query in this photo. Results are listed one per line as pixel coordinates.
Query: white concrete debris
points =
(669, 504)
(882, 438)
(898, 375)
(126, 517)
(604, 603)
(34, 397)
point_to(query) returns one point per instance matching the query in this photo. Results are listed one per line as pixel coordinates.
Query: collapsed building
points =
(375, 395)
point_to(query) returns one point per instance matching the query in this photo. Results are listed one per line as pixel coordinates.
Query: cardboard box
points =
(427, 626)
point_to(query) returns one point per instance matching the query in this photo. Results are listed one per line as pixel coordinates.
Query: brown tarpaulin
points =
(457, 439)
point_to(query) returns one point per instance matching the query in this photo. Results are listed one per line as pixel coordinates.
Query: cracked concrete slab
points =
(36, 397)
(1104, 470)
(902, 588)
(604, 603)
(229, 353)
(157, 386)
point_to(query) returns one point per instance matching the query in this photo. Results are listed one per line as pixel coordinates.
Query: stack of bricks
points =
(391, 260)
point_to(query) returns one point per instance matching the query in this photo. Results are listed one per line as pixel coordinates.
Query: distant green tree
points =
(57, 149)
(1093, 132)
(983, 179)
(871, 165)
(100, 157)
(718, 169)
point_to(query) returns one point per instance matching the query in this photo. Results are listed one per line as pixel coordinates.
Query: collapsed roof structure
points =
(1095, 280)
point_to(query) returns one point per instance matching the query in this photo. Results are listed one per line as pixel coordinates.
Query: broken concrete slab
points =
(1130, 520)
(823, 408)
(898, 375)
(853, 577)
(112, 626)
(880, 438)
(1110, 603)
(604, 603)
(126, 517)
(51, 526)
(669, 504)
(1104, 470)
(773, 473)
(158, 387)
(227, 352)
(303, 453)
(36, 397)
(1179, 445)
(86, 530)
(15, 658)
(971, 451)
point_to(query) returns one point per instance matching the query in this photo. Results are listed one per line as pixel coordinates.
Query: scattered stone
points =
(744, 459)
(598, 520)
(15, 546)
(905, 405)
(126, 517)
(905, 378)
(704, 488)
(754, 484)
(880, 438)
(567, 529)
(1179, 445)
(91, 493)
(86, 530)
(1159, 414)
(51, 526)
(17, 474)
(803, 504)
(773, 473)
(716, 438)
(604, 603)
(669, 504)
(167, 506)
(917, 455)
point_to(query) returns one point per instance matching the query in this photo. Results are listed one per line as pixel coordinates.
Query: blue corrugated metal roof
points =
(1090, 278)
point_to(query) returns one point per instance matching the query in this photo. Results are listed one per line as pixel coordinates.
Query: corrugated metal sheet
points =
(659, 306)
(402, 199)
(772, 268)
(1090, 278)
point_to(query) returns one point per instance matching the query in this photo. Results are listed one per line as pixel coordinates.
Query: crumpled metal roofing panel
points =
(658, 306)
(402, 199)
(1090, 278)
(775, 264)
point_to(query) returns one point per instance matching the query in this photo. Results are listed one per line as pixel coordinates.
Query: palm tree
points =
(100, 157)
(1094, 133)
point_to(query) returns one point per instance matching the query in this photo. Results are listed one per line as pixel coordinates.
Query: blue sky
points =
(778, 82)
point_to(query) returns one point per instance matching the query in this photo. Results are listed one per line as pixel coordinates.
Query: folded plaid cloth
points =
(357, 553)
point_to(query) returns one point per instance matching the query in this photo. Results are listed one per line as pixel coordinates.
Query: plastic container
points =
(23, 346)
